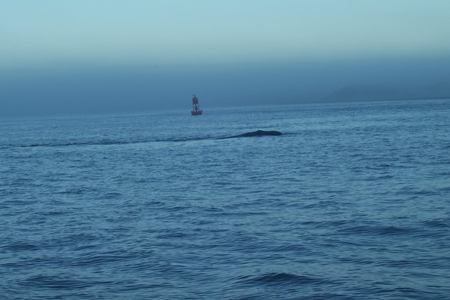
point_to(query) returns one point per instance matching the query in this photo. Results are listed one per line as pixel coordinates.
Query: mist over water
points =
(151, 87)
(350, 202)
(100, 57)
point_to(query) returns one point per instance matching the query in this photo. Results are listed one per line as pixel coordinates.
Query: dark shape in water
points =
(258, 133)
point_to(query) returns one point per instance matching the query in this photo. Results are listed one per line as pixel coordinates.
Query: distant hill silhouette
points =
(385, 92)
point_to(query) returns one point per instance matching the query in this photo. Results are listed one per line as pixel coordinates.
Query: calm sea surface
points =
(352, 202)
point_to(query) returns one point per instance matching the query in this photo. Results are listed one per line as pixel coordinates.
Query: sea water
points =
(351, 202)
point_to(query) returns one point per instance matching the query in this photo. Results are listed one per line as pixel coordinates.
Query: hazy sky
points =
(207, 41)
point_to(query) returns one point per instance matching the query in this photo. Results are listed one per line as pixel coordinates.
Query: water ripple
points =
(279, 279)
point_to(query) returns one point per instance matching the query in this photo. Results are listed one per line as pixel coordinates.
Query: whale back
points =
(260, 133)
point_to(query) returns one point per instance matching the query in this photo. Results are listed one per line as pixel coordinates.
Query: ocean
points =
(351, 202)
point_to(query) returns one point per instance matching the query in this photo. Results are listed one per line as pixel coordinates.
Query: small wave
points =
(20, 246)
(438, 223)
(172, 235)
(76, 191)
(417, 192)
(445, 189)
(279, 278)
(107, 142)
(112, 195)
(97, 260)
(57, 282)
(378, 230)
(291, 248)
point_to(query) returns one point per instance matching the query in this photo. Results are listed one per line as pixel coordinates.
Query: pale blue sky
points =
(207, 31)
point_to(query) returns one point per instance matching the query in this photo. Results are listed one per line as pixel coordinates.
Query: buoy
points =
(196, 111)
